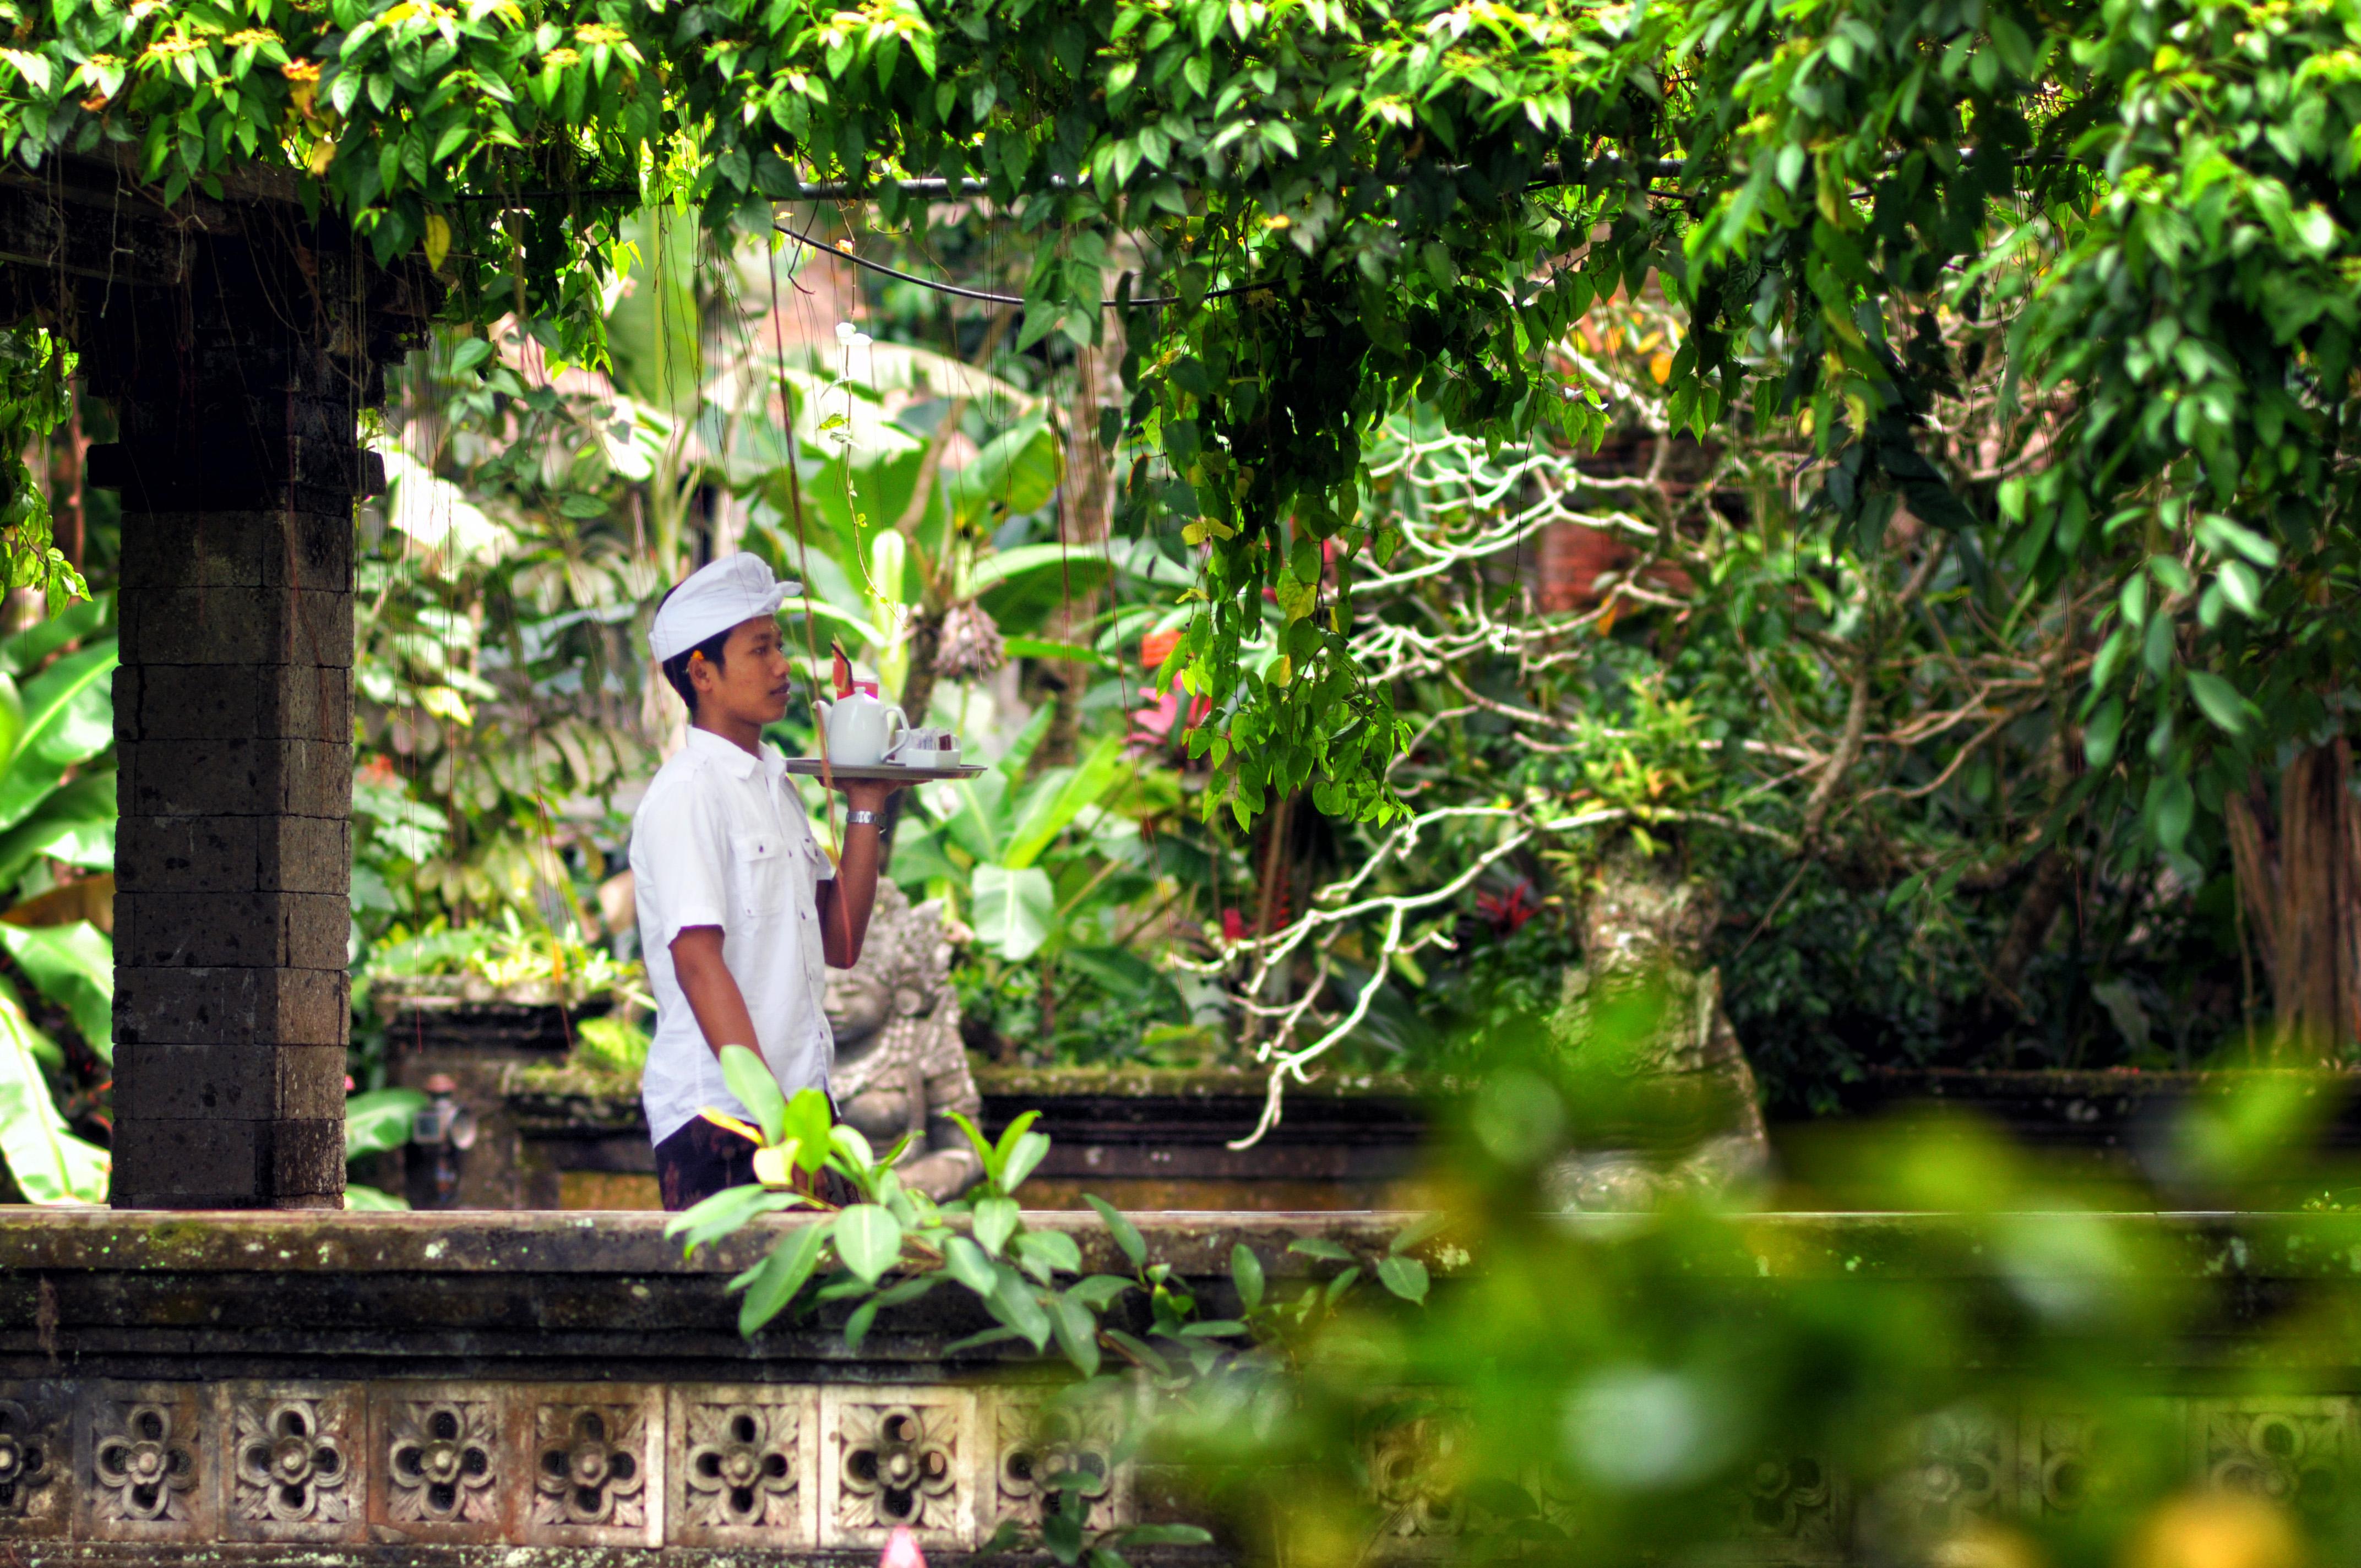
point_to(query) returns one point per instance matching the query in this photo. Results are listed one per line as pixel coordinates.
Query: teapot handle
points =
(898, 724)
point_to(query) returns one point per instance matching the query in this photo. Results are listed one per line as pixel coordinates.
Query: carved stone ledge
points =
(741, 1463)
(442, 1454)
(36, 1460)
(1039, 1436)
(897, 1456)
(143, 1466)
(294, 1463)
(596, 1456)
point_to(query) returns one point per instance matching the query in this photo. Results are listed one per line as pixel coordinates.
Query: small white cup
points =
(932, 750)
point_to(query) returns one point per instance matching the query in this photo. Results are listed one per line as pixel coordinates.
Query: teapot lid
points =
(866, 688)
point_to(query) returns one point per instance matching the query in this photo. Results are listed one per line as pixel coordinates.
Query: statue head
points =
(904, 970)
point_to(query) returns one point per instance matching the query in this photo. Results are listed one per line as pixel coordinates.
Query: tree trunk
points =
(2302, 896)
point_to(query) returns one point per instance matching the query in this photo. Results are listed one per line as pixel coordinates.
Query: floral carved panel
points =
(36, 1461)
(1960, 1473)
(441, 1462)
(595, 1459)
(293, 1464)
(2069, 1459)
(1044, 1445)
(2296, 1452)
(144, 1463)
(1414, 1462)
(1791, 1507)
(897, 1456)
(742, 1464)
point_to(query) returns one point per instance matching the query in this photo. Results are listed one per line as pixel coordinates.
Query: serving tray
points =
(882, 773)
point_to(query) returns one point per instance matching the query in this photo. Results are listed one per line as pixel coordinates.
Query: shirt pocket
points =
(758, 863)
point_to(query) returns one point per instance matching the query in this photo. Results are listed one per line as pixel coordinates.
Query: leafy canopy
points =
(1360, 204)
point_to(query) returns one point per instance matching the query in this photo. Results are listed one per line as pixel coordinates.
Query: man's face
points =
(753, 681)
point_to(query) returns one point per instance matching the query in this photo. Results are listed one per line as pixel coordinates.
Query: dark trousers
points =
(702, 1160)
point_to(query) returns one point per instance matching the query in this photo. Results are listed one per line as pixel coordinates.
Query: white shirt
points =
(721, 839)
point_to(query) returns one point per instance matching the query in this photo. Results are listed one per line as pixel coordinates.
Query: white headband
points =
(713, 600)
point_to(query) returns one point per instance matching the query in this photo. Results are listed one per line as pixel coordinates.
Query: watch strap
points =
(855, 818)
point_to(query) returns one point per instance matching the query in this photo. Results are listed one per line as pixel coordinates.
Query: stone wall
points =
(238, 344)
(565, 1391)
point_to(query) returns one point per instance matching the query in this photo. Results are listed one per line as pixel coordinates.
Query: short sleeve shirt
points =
(721, 839)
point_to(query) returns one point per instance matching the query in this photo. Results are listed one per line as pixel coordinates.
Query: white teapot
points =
(860, 729)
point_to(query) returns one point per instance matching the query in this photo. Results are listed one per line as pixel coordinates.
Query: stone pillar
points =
(237, 389)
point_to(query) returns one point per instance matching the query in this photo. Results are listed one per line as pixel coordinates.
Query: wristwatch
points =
(855, 818)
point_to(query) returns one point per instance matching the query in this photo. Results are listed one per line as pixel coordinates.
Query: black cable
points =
(986, 295)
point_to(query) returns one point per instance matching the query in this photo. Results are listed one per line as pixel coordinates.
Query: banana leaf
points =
(49, 1163)
(69, 719)
(73, 966)
(75, 823)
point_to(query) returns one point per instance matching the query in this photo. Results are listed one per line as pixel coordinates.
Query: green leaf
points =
(1020, 1308)
(965, 1262)
(1078, 1333)
(1049, 809)
(1100, 1289)
(1014, 909)
(73, 966)
(2220, 700)
(1424, 1228)
(995, 1221)
(51, 1165)
(1405, 1277)
(1214, 1328)
(772, 1284)
(1126, 1235)
(75, 824)
(26, 650)
(1049, 1251)
(749, 1079)
(1245, 1272)
(69, 719)
(365, 1200)
(1319, 1247)
(1028, 1153)
(1162, 1535)
(984, 1151)
(379, 1120)
(808, 1121)
(868, 1240)
(725, 1213)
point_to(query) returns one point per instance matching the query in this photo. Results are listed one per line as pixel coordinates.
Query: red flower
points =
(1507, 911)
(1233, 926)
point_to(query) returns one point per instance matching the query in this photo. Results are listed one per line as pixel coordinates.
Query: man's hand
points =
(712, 991)
(846, 899)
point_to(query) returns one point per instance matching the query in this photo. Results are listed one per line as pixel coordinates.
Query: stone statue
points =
(1677, 1112)
(900, 1067)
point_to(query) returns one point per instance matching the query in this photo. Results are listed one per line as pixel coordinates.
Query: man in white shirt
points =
(739, 907)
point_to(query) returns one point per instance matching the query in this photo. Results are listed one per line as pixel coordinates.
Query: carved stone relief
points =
(2296, 1452)
(293, 1464)
(144, 1471)
(1961, 1473)
(1414, 1470)
(35, 1456)
(441, 1463)
(595, 1460)
(2069, 1459)
(1791, 1507)
(1040, 1439)
(896, 1457)
(743, 1465)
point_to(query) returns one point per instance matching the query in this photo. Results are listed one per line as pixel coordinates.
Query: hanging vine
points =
(1416, 201)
